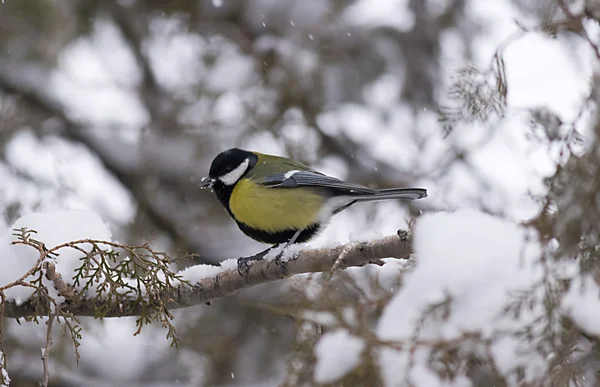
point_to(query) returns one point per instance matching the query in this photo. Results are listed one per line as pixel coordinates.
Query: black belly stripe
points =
(278, 237)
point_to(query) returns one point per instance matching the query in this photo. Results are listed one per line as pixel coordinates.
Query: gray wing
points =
(293, 179)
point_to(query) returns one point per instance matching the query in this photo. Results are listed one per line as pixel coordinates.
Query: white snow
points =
(265, 142)
(362, 222)
(53, 228)
(232, 71)
(289, 252)
(562, 65)
(422, 376)
(365, 236)
(389, 13)
(229, 109)
(384, 91)
(476, 261)
(84, 74)
(582, 304)
(511, 352)
(337, 353)
(116, 353)
(15, 262)
(229, 264)
(50, 160)
(541, 72)
(174, 54)
(5, 377)
(196, 273)
(474, 258)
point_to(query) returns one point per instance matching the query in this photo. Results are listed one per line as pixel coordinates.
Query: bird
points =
(277, 200)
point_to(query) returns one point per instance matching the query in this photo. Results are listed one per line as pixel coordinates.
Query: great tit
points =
(276, 200)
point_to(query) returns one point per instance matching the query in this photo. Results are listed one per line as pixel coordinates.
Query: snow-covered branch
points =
(219, 281)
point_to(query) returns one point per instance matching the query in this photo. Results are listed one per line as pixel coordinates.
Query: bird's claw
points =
(244, 264)
(280, 263)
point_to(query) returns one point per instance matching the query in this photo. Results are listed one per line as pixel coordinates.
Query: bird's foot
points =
(284, 257)
(281, 264)
(244, 263)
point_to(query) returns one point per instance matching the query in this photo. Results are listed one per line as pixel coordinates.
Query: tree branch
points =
(228, 282)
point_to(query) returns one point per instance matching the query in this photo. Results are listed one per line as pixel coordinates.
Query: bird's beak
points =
(206, 182)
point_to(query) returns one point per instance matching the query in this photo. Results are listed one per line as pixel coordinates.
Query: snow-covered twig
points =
(46, 351)
(63, 288)
(229, 281)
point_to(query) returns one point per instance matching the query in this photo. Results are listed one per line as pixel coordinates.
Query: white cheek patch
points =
(230, 178)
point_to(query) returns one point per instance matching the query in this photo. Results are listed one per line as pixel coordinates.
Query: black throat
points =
(223, 193)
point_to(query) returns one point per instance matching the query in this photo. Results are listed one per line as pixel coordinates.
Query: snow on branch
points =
(193, 286)
(60, 265)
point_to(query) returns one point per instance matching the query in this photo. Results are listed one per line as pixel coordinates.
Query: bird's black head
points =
(230, 165)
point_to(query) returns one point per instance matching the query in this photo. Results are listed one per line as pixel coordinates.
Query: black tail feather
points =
(395, 193)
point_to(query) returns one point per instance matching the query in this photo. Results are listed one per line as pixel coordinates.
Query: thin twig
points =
(3, 357)
(347, 249)
(46, 350)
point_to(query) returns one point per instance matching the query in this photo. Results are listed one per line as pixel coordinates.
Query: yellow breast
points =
(274, 209)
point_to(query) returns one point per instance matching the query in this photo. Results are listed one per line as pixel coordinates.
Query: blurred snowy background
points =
(119, 106)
